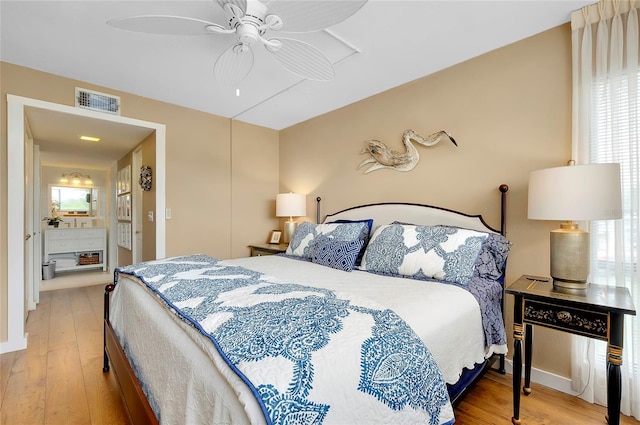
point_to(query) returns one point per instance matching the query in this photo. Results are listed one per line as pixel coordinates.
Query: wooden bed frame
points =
(138, 408)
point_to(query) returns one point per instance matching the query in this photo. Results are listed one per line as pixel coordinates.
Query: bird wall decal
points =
(384, 157)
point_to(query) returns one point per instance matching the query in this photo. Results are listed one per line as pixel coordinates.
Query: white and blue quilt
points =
(308, 355)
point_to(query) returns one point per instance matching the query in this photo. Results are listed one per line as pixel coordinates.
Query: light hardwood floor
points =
(59, 378)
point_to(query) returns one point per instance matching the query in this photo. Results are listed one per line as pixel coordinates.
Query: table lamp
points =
(290, 205)
(573, 193)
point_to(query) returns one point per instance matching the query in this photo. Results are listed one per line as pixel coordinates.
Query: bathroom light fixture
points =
(90, 138)
(76, 178)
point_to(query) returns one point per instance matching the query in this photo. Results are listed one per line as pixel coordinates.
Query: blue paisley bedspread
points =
(308, 356)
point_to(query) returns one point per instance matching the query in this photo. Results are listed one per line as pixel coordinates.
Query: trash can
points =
(48, 270)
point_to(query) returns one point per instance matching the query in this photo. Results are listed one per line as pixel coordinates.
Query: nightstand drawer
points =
(582, 322)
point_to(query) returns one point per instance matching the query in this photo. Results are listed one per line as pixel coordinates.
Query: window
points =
(72, 199)
(614, 138)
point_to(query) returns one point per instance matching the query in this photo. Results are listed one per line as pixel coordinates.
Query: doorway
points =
(17, 107)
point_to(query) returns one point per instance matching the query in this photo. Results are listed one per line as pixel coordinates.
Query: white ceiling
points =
(385, 44)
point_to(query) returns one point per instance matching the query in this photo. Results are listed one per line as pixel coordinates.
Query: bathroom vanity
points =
(76, 248)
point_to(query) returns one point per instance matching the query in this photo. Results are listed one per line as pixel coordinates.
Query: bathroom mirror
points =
(76, 201)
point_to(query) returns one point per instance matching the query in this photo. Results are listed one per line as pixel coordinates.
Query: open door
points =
(29, 226)
(37, 228)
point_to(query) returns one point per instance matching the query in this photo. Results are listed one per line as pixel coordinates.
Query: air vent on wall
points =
(89, 99)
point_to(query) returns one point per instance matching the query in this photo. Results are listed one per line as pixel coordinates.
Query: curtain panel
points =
(605, 128)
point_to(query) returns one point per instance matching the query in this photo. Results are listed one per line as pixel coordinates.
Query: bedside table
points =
(260, 249)
(596, 312)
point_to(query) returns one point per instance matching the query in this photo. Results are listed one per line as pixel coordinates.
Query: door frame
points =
(16, 336)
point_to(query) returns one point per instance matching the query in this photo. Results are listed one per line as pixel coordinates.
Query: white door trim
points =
(16, 337)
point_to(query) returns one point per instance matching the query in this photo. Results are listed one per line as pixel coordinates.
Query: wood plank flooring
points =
(59, 378)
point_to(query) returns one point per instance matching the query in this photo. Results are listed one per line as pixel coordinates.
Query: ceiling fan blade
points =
(233, 65)
(165, 24)
(313, 15)
(242, 4)
(303, 59)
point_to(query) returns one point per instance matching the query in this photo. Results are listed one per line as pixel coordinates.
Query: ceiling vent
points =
(89, 99)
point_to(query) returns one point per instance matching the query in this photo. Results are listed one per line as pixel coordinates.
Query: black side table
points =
(596, 312)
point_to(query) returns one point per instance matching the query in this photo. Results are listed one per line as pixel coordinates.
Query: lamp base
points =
(289, 229)
(569, 256)
(570, 287)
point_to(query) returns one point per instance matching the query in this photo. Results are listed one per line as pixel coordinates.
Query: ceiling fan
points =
(250, 21)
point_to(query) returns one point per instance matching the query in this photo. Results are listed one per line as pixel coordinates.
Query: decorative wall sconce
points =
(145, 178)
(75, 178)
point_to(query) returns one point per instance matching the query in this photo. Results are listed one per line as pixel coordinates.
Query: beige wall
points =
(254, 154)
(510, 112)
(199, 170)
(148, 199)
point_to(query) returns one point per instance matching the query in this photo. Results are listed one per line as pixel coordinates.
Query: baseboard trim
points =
(548, 379)
(16, 344)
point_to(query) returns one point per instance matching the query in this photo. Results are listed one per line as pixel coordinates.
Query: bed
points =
(382, 313)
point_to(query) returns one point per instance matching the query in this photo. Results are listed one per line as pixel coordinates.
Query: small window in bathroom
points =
(73, 200)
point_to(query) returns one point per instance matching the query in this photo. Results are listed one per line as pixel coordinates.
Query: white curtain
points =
(606, 77)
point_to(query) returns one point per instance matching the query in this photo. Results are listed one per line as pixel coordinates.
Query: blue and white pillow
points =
(369, 223)
(341, 255)
(492, 259)
(424, 252)
(307, 235)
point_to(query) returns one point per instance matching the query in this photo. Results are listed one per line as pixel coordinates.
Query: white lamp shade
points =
(575, 192)
(291, 205)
